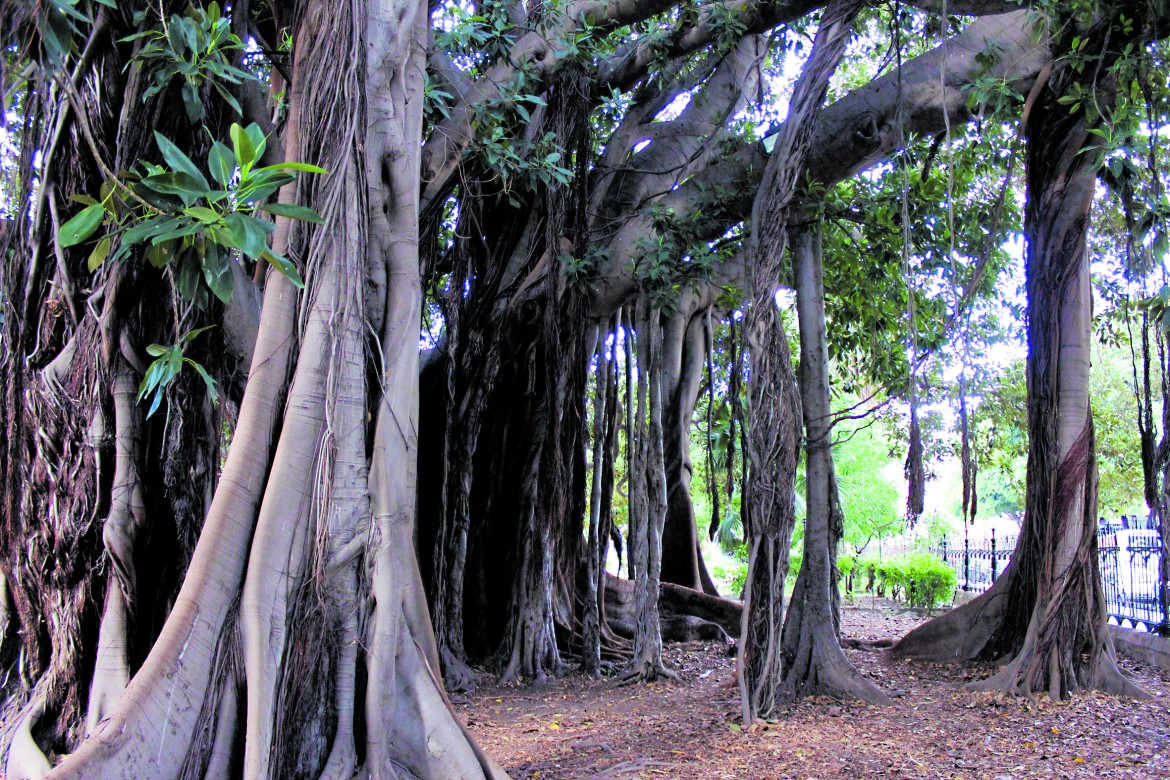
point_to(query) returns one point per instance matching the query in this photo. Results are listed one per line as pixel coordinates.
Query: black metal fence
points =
(1136, 592)
(977, 563)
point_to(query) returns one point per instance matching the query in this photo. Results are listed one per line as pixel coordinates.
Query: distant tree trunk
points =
(770, 512)
(682, 561)
(1046, 615)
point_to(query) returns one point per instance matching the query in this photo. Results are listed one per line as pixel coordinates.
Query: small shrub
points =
(846, 564)
(919, 578)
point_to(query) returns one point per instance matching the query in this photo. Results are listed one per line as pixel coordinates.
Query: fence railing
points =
(1131, 562)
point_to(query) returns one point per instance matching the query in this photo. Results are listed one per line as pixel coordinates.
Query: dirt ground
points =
(579, 728)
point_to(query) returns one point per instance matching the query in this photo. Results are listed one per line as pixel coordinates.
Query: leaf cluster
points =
(196, 47)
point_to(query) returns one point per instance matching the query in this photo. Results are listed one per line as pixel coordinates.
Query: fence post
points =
(994, 560)
(966, 562)
(1163, 585)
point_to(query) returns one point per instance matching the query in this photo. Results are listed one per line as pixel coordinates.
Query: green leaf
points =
(228, 97)
(156, 350)
(191, 335)
(187, 277)
(179, 183)
(82, 226)
(99, 254)
(178, 161)
(293, 166)
(146, 230)
(217, 272)
(160, 254)
(242, 145)
(286, 268)
(203, 214)
(263, 183)
(256, 135)
(293, 211)
(191, 102)
(207, 380)
(246, 234)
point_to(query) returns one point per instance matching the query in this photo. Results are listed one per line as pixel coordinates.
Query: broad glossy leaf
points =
(187, 277)
(187, 188)
(99, 254)
(203, 214)
(178, 161)
(242, 145)
(286, 268)
(246, 234)
(191, 102)
(82, 225)
(160, 254)
(293, 211)
(217, 272)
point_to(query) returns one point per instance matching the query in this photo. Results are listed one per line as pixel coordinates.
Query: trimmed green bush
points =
(918, 578)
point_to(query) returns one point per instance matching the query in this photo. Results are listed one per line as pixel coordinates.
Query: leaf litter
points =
(578, 728)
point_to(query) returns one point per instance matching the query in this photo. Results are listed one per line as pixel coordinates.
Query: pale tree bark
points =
(852, 134)
(591, 612)
(814, 663)
(647, 502)
(773, 441)
(685, 349)
(309, 605)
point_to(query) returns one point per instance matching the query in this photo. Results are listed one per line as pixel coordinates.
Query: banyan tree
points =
(341, 337)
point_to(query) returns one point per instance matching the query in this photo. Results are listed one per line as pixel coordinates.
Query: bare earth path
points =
(580, 728)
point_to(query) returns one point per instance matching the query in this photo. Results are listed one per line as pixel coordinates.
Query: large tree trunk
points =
(328, 602)
(1046, 615)
(774, 437)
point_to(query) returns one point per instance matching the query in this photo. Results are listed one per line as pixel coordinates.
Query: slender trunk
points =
(591, 622)
(769, 511)
(646, 524)
(814, 661)
(682, 562)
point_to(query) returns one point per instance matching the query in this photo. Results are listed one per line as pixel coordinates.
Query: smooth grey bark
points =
(851, 135)
(814, 663)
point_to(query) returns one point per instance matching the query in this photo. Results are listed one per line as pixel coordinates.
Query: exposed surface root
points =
(644, 671)
(962, 633)
(26, 760)
(458, 677)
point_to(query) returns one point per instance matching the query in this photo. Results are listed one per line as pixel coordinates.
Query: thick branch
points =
(853, 134)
